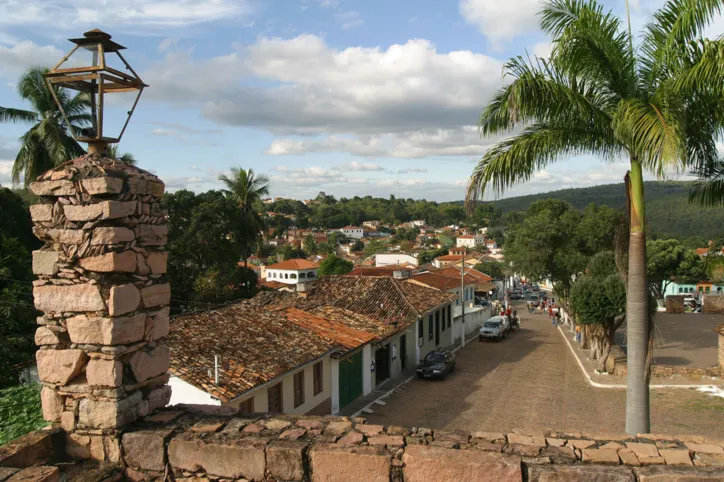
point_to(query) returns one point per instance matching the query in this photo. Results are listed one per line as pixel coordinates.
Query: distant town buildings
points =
(292, 271)
(353, 232)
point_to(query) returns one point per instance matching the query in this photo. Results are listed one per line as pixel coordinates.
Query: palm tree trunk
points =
(637, 312)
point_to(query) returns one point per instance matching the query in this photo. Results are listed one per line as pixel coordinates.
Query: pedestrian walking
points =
(578, 333)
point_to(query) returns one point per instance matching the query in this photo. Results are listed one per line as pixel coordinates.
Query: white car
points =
(503, 320)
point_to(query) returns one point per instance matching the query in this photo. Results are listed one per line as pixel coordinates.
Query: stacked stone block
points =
(102, 287)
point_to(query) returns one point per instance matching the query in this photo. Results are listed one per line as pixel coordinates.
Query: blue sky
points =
(339, 96)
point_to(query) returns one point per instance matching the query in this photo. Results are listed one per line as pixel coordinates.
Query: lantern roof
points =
(93, 37)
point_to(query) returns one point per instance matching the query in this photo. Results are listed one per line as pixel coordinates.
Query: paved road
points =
(532, 382)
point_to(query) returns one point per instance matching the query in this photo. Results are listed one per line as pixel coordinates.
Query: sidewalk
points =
(588, 367)
(383, 390)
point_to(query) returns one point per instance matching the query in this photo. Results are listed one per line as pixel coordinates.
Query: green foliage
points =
(668, 212)
(358, 245)
(427, 256)
(375, 246)
(334, 265)
(205, 241)
(17, 314)
(597, 301)
(494, 269)
(556, 241)
(246, 189)
(221, 285)
(20, 412)
(669, 260)
(287, 251)
(49, 141)
(602, 265)
(309, 245)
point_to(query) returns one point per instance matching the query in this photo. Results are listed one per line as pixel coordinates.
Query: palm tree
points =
(598, 95)
(48, 143)
(126, 157)
(246, 188)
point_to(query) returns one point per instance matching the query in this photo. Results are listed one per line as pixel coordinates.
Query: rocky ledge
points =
(204, 443)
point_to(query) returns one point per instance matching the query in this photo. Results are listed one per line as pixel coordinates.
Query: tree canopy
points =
(334, 265)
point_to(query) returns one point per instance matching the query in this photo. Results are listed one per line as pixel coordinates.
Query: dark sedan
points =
(437, 364)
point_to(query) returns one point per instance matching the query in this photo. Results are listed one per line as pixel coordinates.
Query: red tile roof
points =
(382, 298)
(328, 327)
(471, 273)
(437, 281)
(294, 264)
(378, 270)
(274, 285)
(254, 346)
(450, 257)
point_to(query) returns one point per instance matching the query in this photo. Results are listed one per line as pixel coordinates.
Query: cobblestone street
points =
(531, 381)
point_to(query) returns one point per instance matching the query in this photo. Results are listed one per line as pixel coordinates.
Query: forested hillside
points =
(668, 211)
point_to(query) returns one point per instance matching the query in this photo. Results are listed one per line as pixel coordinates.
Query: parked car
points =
(516, 295)
(493, 329)
(437, 364)
(536, 287)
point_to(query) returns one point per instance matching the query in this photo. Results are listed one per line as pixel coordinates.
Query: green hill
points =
(668, 211)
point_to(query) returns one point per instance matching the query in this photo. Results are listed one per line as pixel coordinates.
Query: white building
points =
(470, 241)
(292, 271)
(418, 223)
(262, 357)
(388, 259)
(371, 224)
(354, 232)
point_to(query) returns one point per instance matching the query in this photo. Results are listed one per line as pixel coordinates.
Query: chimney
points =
(303, 289)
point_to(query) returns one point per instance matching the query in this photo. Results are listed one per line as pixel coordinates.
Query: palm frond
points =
(708, 189)
(517, 158)
(593, 46)
(14, 116)
(653, 133)
(541, 93)
(707, 73)
(672, 35)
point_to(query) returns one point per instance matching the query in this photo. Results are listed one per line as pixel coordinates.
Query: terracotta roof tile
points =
(254, 346)
(294, 264)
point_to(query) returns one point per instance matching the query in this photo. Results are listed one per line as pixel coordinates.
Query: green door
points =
(350, 379)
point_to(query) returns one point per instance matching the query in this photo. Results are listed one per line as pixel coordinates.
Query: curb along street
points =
(617, 385)
(407, 380)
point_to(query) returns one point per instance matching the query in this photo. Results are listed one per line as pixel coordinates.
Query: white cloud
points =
(18, 57)
(303, 86)
(542, 50)
(428, 142)
(167, 44)
(411, 169)
(501, 20)
(360, 167)
(116, 13)
(6, 168)
(349, 19)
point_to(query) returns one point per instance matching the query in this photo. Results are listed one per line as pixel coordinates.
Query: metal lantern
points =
(96, 80)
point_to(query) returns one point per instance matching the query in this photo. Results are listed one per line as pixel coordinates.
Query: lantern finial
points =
(97, 80)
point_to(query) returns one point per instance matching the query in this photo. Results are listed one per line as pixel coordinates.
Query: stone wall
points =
(675, 304)
(713, 304)
(103, 291)
(208, 443)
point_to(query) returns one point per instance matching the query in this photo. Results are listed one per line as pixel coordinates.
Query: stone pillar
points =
(104, 295)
